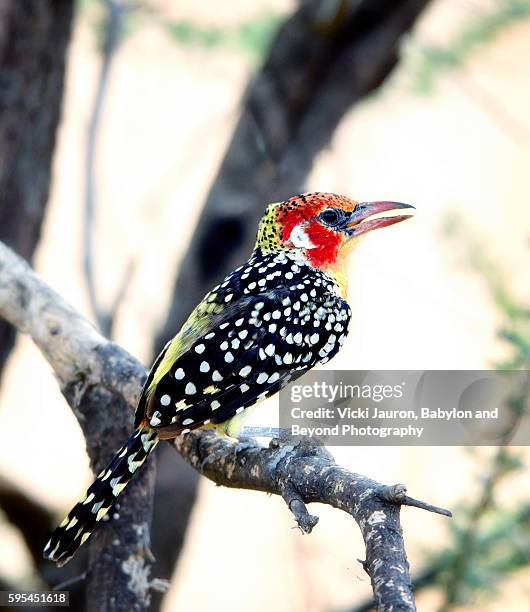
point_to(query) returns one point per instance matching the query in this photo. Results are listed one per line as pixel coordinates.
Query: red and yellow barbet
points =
(270, 321)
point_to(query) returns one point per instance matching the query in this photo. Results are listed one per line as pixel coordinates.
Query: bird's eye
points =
(331, 216)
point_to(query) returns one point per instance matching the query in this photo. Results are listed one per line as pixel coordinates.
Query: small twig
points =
(416, 503)
(396, 494)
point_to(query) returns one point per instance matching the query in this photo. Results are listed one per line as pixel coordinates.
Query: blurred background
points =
(139, 143)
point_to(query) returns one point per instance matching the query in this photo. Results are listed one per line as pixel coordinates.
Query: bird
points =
(281, 313)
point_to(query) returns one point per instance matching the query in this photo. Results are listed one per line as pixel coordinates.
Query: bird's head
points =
(322, 227)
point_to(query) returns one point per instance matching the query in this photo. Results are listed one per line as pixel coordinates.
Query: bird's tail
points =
(100, 496)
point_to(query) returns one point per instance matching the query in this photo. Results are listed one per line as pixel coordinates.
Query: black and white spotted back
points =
(270, 321)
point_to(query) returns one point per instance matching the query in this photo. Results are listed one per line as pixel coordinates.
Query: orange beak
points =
(359, 222)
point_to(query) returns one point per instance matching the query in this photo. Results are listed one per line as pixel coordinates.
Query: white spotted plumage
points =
(266, 338)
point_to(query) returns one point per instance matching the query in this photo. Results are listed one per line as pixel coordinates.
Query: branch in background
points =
(34, 37)
(35, 524)
(112, 31)
(91, 369)
(324, 59)
(33, 520)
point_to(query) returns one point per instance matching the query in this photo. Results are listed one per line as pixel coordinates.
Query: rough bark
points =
(34, 36)
(325, 58)
(90, 369)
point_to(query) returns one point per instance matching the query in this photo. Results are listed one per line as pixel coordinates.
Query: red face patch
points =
(305, 209)
(327, 244)
(326, 241)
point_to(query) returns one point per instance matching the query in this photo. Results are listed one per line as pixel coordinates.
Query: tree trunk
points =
(34, 36)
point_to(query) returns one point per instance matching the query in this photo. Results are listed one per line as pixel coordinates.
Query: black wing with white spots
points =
(280, 320)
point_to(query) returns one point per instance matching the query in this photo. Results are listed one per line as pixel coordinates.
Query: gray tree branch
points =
(92, 370)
